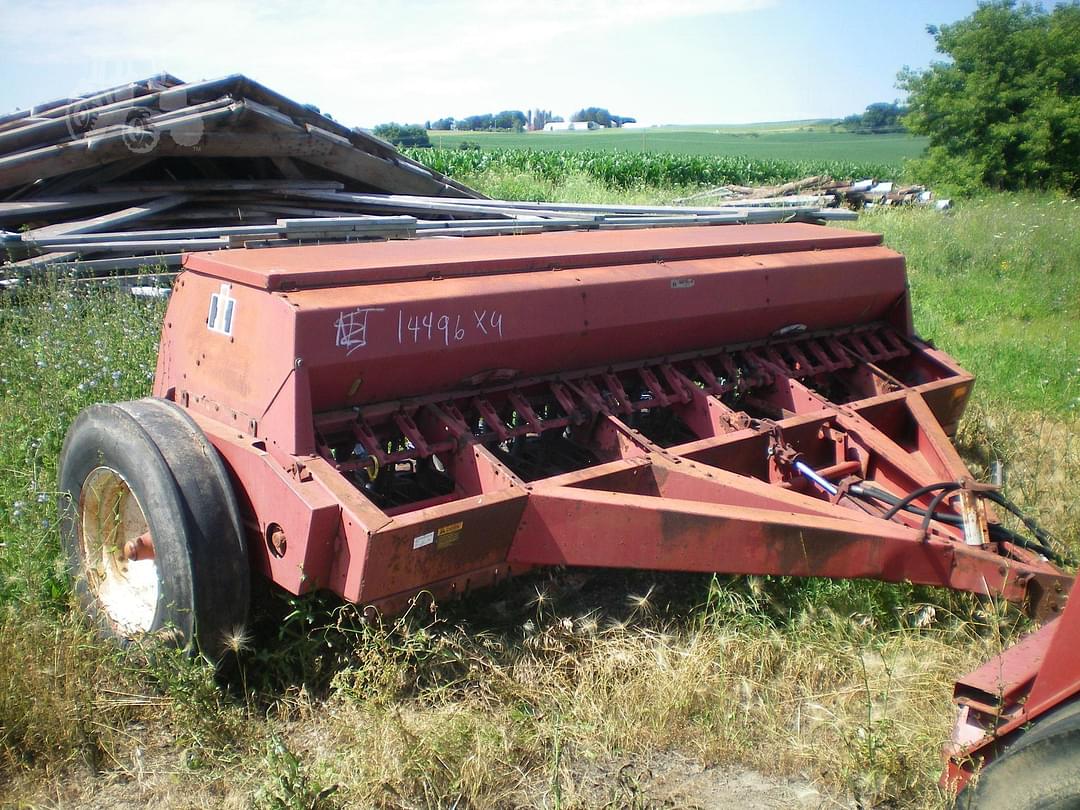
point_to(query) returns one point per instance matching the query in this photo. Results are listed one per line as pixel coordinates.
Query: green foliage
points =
(63, 349)
(477, 122)
(602, 117)
(288, 784)
(512, 120)
(402, 134)
(878, 118)
(950, 175)
(1006, 109)
(630, 169)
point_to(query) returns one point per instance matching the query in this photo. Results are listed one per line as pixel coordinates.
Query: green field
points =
(628, 171)
(795, 141)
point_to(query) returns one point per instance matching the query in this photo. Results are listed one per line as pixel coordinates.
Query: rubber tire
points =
(1040, 770)
(178, 478)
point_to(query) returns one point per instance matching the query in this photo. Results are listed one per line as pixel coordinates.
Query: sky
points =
(371, 61)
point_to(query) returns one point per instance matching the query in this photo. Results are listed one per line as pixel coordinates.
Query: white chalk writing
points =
(484, 321)
(446, 328)
(352, 328)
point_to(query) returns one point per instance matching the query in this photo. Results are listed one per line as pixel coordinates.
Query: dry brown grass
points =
(63, 699)
(1042, 461)
(855, 710)
(480, 722)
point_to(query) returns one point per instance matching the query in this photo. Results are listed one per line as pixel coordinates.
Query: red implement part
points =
(998, 700)
(437, 415)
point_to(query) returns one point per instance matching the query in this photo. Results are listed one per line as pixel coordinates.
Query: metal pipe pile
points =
(134, 176)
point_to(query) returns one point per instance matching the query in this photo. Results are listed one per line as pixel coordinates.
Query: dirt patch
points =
(663, 781)
(673, 780)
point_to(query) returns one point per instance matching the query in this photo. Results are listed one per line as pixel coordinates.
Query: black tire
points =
(1040, 770)
(145, 466)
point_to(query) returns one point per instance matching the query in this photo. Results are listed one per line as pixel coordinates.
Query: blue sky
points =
(370, 61)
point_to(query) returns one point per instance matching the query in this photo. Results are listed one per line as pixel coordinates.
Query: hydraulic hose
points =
(999, 533)
(931, 510)
(1009, 506)
(1002, 533)
(914, 495)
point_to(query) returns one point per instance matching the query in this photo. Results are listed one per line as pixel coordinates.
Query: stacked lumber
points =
(135, 176)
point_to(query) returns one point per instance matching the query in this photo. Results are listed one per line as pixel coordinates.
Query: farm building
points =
(562, 126)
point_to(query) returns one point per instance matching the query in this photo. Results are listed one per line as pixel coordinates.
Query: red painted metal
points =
(437, 415)
(999, 700)
(336, 265)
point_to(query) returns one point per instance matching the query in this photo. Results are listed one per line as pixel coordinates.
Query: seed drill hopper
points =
(379, 420)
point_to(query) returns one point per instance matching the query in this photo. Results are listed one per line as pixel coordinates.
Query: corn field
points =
(626, 170)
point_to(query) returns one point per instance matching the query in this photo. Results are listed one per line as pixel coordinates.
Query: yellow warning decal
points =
(449, 534)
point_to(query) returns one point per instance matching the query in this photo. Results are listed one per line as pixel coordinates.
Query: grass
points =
(559, 689)
(793, 141)
(997, 283)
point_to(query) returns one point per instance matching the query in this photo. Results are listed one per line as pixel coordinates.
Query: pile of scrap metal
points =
(135, 176)
(822, 190)
(868, 193)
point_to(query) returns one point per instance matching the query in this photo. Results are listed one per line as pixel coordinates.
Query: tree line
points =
(878, 118)
(505, 121)
(517, 121)
(509, 120)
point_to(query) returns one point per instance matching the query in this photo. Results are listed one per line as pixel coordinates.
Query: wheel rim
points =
(118, 552)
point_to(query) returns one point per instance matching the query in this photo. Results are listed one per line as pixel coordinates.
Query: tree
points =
(442, 123)
(477, 122)
(402, 134)
(510, 119)
(602, 117)
(880, 117)
(597, 114)
(1005, 111)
